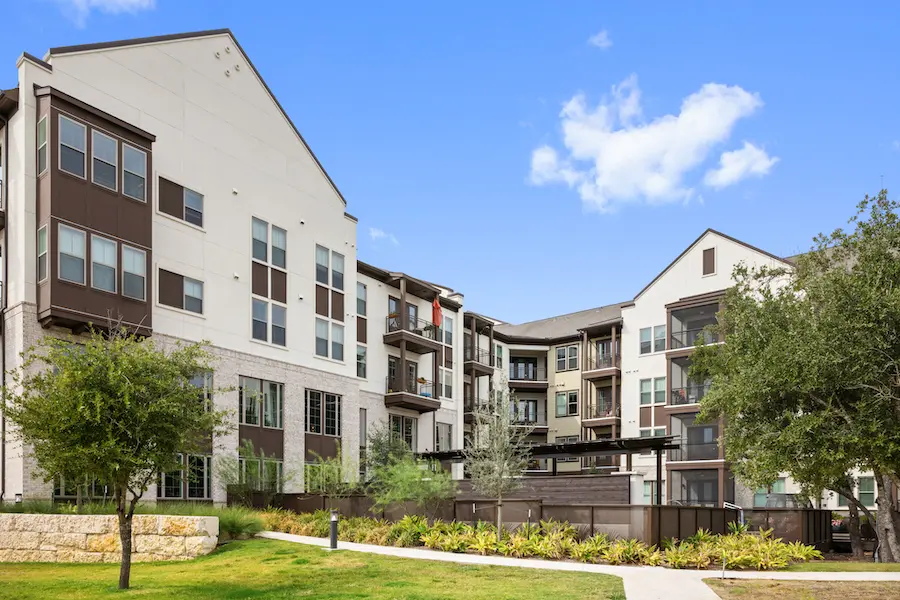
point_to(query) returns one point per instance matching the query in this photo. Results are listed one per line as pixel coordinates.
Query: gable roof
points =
(561, 326)
(60, 50)
(697, 241)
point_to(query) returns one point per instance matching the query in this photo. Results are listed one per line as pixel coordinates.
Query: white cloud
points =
(79, 10)
(739, 164)
(613, 156)
(601, 40)
(379, 234)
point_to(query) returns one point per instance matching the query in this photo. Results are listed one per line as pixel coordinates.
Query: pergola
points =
(581, 449)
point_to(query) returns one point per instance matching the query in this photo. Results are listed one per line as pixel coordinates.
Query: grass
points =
(273, 569)
(843, 565)
(732, 589)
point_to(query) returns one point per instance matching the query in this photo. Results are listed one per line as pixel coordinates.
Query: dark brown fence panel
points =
(679, 522)
(568, 489)
(808, 525)
(515, 512)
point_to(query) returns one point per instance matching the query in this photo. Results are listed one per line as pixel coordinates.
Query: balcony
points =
(527, 376)
(688, 338)
(694, 451)
(470, 403)
(417, 395)
(419, 335)
(479, 361)
(692, 394)
(600, 413)
(602, 365)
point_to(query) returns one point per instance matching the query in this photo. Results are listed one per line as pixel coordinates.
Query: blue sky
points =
(517, 153)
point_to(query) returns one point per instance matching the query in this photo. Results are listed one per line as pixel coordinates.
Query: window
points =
(443, 437)
(193, 207)
(272, 473)
(321, 337)
(134, 273)
(573, 357)
(322, 255)
(105, 163)
(361, 298)
(103, 264)
(659, 390)
(499, 353)
(279, 247)
(361, 361)
(337, 271)
(337, 341)
(446, 383)
(273, 404)
(404, 428)
(447, 328)
(653, 432)
(762, 494)
(260, 320)
(646, 396)
(867, 491)
(567, 439)
(71, 254)
(42, 253)
(659, 338)
(260, 240)
(72, 146)
(249, 394)
(134, 173)
(650, 492)
(323, 413)
(199, 477)
(279, 325)
(203, 383)
(169, 484)
(193, 295)
(709, 261)
(560, 359)
(646, 346)
(42, 145)
(566, 404)
(842, 500)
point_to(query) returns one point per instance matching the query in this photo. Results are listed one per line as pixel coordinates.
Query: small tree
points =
(258, 479)
(499, 450)
(331, 477)
(115, 408)
(421, 482)
(383, 449)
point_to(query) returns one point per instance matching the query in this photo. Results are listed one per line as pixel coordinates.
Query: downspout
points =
(4, 194)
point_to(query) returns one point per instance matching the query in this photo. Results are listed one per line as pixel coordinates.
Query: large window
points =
(323, 413)
(103, 264)
(134, 273)
(329, 341)
(134, 173)
(72, 146)
(199, 477)
(71, 254)
(404, 428)
(42, 253)
(257, 396)
(249, 394)
(443, 437)
(566, 404)
(762, 494)
(42, 145)
(273, 405)
(105, 163)
(567, 358)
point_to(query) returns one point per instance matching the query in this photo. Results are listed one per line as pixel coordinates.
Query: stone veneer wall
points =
(95, 538)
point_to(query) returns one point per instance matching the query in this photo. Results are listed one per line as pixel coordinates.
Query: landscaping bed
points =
(731, 589)
(555, 541)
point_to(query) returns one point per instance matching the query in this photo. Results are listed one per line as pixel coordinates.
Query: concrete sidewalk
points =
(641, 583)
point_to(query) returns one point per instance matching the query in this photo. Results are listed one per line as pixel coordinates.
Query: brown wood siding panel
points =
(322, 445)
(709, 261)
(270, 441)
(448, 357)
(321, 301)
(659, 415)
(361, 330)
(279, 285)
(171, 198)
(171, 289)
(260, 280)
(645, 416)
(337, 305)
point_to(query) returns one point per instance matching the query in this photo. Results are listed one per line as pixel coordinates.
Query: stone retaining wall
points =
(95, 538)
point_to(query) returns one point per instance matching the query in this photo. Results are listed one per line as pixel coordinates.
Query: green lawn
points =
(274, 569)
(819, 566)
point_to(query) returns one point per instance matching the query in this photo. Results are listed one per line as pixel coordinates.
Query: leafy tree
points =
(499, 450)
(257, 480)
(421, 482)
(115, 408)
(331, 477)
(383, 448)
(808, 379)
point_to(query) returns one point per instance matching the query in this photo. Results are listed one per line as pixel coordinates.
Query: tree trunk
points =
(888, 521)
(856, 544)
(78, 499)
(499, 519)
(125, 522)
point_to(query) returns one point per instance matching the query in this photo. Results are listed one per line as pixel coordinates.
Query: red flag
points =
(436, 316)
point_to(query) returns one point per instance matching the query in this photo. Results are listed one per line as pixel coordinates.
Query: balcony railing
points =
(419, 387)
(530, 420)
(421, 327)
(478, 355)
(603, 361)
(701, 451)
(527, 372)
(691, 394)
(688, 338)
(470, 403)
(601, 410)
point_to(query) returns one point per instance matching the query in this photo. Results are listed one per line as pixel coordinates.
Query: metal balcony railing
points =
(478, 355)
(601, 410)
(419, 387)
(691, 394)
(603, 361)
(471, 403)
(421, 327)
(688, 338)
(527, 372)
(689, 451)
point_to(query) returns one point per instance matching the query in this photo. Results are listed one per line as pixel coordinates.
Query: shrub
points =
(483, 542)
(238, 523)
(735, 528)
(408, 531)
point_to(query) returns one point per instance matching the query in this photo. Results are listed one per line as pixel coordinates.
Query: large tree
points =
(808, 379)
(498, 451)
(114, 408)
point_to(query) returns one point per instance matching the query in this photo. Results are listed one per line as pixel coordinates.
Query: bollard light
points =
(334, 529)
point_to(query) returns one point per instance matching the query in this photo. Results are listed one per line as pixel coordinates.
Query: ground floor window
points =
(404, 428)
(762, 494)
(170, 485)
(199, 477)
(262, 474)
(650, 492)
(695, 487)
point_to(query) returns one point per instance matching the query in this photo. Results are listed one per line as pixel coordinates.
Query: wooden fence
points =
(808, 525)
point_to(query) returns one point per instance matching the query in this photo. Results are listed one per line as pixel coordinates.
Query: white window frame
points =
(254, 301)
(184, 292)
(84, 128)
(280, 406)
(42, 232)
(655, 391)
(664, 338)
(114, 266)
(161, 487)
(242, 401)
(364, 362)
(327, 337)
(83, 258)
(143, 276)
(207, 477)
(641, 392)
(361, 287)
(253, 221)
(126, 170)
(445, 373)
(572, 354)
(184, 206)
(273, 247)
(94, 134)
(45, 147)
